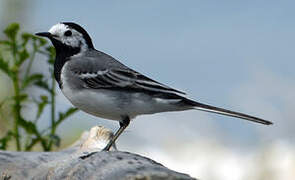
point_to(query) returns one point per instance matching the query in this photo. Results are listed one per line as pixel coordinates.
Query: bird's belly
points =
(95, 102)
(114, 105)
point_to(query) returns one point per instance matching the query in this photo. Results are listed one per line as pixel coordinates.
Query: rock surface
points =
(84, 160)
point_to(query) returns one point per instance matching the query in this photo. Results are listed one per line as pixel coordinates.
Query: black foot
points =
(123, 124)
(107, 148)
(87, 155)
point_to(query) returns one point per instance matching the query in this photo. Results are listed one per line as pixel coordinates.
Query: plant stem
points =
(53, 125)
(31, 60)
(17, 108)
(17, 105)
(53, 105)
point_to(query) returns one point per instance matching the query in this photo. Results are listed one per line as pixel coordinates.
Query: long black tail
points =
(208, 108)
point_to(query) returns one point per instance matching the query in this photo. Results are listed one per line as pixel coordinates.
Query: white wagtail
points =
(100, 85)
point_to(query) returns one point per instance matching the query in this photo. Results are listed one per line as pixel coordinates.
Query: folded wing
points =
(124, 79)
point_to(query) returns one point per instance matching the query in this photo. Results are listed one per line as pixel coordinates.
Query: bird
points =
(100, 85)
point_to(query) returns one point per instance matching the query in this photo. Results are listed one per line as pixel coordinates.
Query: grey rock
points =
(78, 162)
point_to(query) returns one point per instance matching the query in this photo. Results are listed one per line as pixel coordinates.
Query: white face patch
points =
(75, 40)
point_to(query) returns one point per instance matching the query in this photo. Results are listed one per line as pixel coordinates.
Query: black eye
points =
(68, 33)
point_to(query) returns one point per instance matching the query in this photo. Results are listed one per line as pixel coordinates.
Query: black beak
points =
(44, 34)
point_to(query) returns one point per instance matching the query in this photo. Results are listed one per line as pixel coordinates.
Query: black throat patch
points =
(82, 31)
(63, 54)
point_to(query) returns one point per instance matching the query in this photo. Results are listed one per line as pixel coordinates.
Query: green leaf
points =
(28, 126)
(42, 84)
(51, 61)
(23, 97)
(5, 42)
(32, 143)
(51, 50)
(41, 105)
(4, 140)
(26, 36)
(12, 30)
(44, 98)
(64, 115)
(23, 55)
(3, 143)
(31, 79)
(42, 41)
(4, 66)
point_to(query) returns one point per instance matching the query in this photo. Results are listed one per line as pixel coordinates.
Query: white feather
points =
(92, 75)
(75, 40)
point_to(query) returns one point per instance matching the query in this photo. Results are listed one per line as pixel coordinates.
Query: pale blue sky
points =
(207, 48)
(234, 54)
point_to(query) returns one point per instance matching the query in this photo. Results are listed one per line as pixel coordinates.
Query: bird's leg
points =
(123, 124)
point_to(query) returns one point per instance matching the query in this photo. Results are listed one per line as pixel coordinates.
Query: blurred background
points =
(233, 54)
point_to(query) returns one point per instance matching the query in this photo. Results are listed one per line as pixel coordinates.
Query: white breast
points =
(97, 102)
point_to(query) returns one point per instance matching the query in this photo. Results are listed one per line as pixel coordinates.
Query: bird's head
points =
(68, 36)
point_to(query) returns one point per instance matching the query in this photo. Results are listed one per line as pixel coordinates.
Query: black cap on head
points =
(82, 31)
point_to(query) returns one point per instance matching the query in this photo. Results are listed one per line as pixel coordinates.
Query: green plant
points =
(17, 54)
